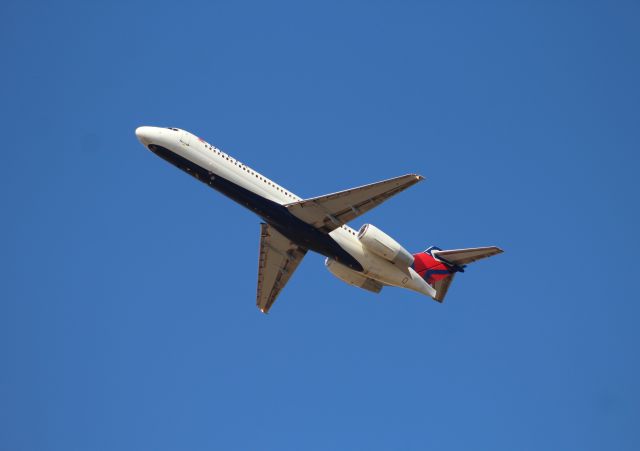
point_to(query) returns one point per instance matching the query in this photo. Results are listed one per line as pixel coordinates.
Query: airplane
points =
(368, 258)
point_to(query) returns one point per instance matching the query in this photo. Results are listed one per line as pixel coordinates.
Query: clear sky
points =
(127, 294)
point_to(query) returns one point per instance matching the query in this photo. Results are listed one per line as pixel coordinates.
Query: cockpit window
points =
(171, 128)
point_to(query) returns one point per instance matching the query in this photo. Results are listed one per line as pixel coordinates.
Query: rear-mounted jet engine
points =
(384, 246)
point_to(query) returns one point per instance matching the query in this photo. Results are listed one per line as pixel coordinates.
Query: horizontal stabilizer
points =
(438, 267)
(465, 256)
(331, 211)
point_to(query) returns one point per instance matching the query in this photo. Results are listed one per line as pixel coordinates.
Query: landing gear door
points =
(185, 138)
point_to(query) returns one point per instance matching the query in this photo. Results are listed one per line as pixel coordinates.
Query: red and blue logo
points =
(433, 269)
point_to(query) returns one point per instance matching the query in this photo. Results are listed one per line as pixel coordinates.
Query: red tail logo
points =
(429, 268)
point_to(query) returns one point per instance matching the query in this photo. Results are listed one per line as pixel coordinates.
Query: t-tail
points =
(438, 267)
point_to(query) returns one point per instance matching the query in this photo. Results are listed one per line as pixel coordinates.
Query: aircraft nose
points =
(144, 135)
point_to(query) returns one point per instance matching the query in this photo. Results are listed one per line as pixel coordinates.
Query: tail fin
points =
(438, 267)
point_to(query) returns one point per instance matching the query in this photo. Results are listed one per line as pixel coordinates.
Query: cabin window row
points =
(245, 168)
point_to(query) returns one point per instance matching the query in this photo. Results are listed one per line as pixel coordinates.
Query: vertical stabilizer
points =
(438, 267)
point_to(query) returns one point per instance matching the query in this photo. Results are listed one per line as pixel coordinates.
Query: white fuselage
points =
(218, 164)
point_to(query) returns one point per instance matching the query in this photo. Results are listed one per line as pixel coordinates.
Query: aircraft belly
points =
(273, 213)
(233, 174)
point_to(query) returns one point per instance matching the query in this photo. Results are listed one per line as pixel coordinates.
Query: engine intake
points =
(384, 246)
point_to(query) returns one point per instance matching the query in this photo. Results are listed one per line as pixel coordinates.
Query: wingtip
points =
(418, 177)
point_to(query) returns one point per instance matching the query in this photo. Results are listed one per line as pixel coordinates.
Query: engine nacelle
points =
(352, 277)
(384, 246)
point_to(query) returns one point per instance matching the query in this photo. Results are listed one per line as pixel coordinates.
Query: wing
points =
(465, 256)
(333, 210)
(279, 258)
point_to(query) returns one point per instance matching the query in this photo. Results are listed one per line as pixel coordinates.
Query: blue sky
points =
(127, 312)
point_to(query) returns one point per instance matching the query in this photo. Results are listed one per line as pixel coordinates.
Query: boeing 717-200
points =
(367, 258)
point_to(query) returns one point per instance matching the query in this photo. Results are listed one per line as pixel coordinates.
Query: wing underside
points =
(279, 258)
(331, 211)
